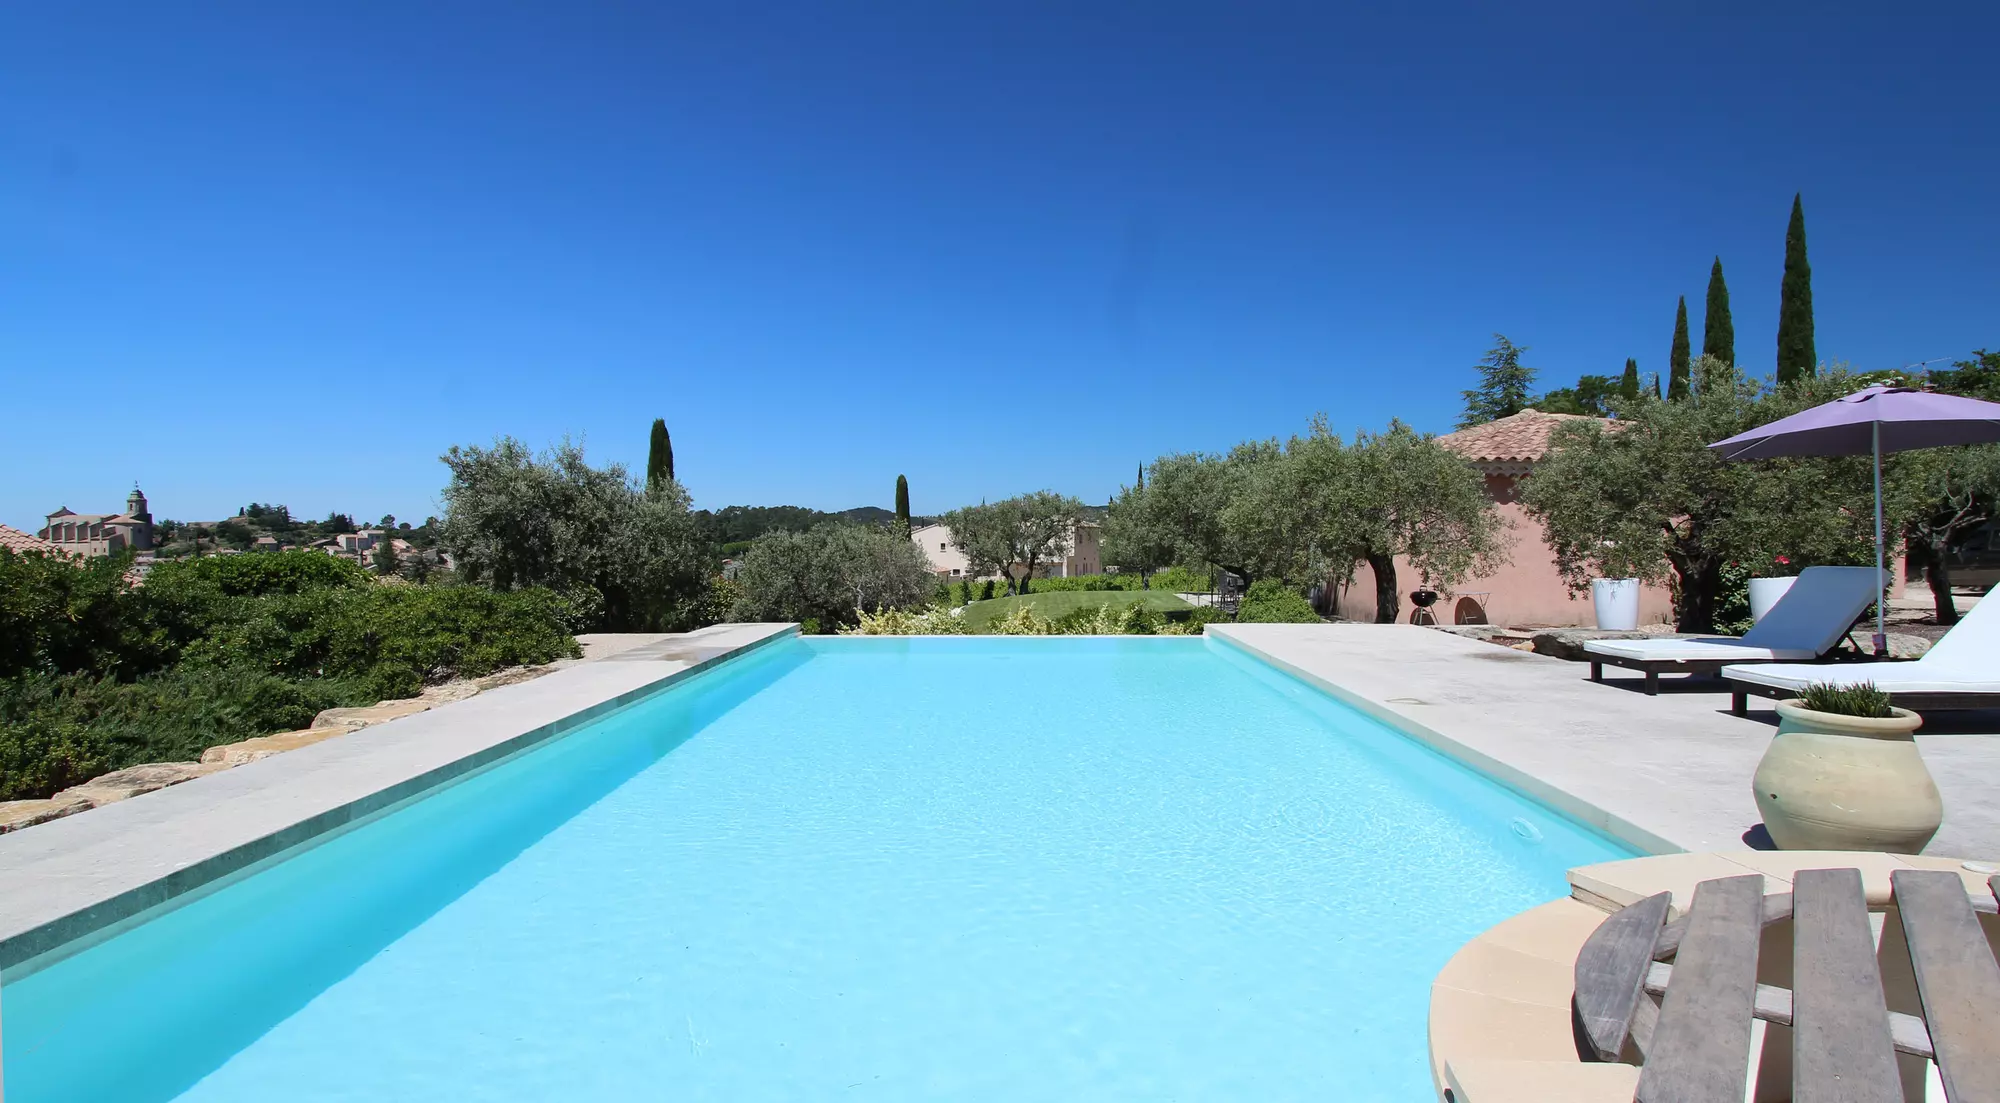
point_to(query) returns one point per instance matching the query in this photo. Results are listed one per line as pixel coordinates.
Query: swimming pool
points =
(976, 868)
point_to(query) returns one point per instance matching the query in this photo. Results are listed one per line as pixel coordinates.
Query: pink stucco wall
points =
(1526, 590)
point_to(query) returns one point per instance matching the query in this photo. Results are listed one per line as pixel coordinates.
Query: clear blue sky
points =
(291, 252)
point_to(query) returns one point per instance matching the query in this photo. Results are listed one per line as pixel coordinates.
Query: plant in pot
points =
(1843, 773)
(1769, 584)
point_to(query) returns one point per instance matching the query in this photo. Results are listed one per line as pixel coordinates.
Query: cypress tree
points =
(1678, 360)
(1656, 384)
(1718, 333)
(1797, 357)
(659, 458)
(903, 504)
(1628, 387)
(1141, 484)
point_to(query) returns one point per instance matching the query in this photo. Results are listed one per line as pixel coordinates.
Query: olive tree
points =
(1313, 507)
(514, 520)
(1030, 530)
(1199, 498)
(1397, 493)
(1937, 497)
(830, 573)
(1644, 497)
(1134, 538)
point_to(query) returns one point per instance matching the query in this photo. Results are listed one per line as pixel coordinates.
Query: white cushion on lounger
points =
(1805, 624)
(1710, 649)
(1890, 677)
(1966, 660)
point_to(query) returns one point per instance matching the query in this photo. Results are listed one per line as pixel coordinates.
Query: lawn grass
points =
(980, 614)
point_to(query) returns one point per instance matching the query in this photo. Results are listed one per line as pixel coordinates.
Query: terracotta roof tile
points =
(15, 540)
(1516, 438)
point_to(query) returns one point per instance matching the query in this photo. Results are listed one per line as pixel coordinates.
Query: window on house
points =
(940, 547)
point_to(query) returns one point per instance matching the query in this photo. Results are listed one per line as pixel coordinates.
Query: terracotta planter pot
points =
(1832, 782)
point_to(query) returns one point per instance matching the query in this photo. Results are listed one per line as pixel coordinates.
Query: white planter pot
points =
(1831, 782)
(1616, 601)
(1765, 592)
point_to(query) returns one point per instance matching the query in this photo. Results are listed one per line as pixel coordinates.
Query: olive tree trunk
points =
(1932, 555)
(1388, 601)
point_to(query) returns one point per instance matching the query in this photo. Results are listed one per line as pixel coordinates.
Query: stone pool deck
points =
(93, 872)
(1666, 773)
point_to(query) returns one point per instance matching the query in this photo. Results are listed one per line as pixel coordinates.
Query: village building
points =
(101, 533)
(18, 542)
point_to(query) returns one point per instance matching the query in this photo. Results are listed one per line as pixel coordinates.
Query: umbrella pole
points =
(1881, 599)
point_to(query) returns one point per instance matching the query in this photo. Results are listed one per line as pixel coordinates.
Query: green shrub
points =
(829, 572)
(1863, 700)
(1732, 601)
(1180, 580)
(58, 731)
(292, 572)
(59, 613)
(1171, 580)
(400, 639)
(965, 591)
(42, 754)
(1118, 620)
(935, 621)
(96, 675)
(1270, 601)
(1202, 616)
(1023, 621)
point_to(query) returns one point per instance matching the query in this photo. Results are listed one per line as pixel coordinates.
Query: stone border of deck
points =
(72, 882)
(1500, 1022)
(1662, 774)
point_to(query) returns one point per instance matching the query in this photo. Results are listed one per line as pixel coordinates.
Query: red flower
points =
(1784, 562)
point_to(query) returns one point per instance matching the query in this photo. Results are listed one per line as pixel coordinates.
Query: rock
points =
(1567, 643)
(513, 675)
(448, 693)
(17, 814)
(1482, 632)
(353, 718)
(133, 780)
(264, 746)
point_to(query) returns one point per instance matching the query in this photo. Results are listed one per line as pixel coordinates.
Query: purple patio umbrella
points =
(1876, 419)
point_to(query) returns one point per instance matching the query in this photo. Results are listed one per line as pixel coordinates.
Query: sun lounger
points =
(1806, 623)
(1962, 671)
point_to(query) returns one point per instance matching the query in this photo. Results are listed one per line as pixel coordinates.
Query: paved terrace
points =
(1665, 773)
(91, 873)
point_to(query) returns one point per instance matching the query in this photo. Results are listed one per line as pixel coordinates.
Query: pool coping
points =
(74, 881)
(1664, 774)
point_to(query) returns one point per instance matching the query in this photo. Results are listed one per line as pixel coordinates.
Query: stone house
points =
(1526, 589)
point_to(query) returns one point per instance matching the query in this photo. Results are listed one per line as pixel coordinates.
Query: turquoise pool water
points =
(896, 869)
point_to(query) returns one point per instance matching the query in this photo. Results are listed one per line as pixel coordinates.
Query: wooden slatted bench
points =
(1678, 998)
